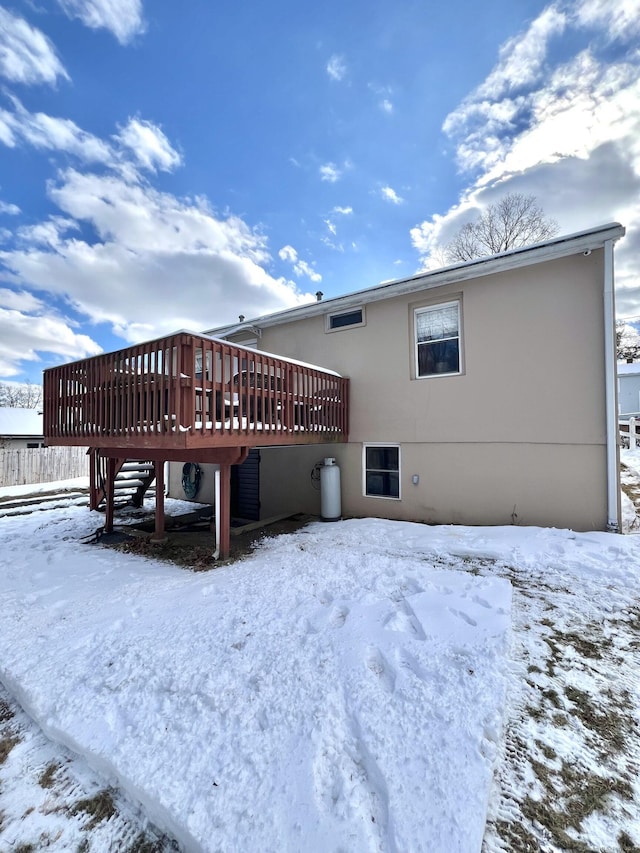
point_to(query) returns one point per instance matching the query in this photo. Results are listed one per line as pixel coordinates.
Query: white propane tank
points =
(330, 506)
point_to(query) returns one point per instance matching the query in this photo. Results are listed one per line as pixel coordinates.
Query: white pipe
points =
(613, 524)
(216, 491)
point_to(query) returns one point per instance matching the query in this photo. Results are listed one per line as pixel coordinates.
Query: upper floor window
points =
(437, 331)
(344, 319)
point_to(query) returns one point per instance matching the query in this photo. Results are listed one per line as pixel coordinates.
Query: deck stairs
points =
(133, 479)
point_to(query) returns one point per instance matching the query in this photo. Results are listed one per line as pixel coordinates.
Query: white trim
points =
(365, 446)
(329, 329)
(559, 247)
(613, 522)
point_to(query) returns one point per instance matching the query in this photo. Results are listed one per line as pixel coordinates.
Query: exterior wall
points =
(206, 492)
(629, 394)
(286, 486)
(289, 466)
(486, 484)
(518, 436)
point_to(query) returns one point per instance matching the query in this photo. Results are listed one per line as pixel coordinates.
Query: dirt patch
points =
(47, 777)
(98, 808)
(7, 742)
(193, 549)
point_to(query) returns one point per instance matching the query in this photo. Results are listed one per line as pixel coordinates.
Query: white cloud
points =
(386, 106)
(123, 18)
(158, 262)
(567, 133)
(336, 67)
(343, 211)
(330, 172)
(55, 134)
(24, 333)
(149, 145)
(19, 300)
(331, 226)
(9, 209)
(521, 61)
(303, 268)
(300, 268)
(26, 54)
(389, 194)
(139, 145)
(288, 253)
(619, 20)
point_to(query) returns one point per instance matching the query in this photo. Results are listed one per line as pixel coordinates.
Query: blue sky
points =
(169, 166)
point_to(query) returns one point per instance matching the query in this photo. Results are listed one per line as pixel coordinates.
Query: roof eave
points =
(558, 247)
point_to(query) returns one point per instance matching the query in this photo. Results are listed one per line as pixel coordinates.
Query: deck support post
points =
(112, 465)
(159, 537)
(224, 512)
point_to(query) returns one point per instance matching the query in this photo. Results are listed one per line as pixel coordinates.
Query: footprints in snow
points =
(380, 631)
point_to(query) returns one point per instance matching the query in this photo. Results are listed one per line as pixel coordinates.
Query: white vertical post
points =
(216, 553)
(632, 434)
(613, 481)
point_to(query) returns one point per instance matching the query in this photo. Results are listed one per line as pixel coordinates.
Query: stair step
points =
(137, 466)
(128, 483)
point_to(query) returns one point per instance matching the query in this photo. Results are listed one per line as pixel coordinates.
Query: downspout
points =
(613, 498)
(216, 553)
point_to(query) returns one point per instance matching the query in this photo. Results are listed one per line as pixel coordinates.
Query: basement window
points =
(381, 471)
(345, 319)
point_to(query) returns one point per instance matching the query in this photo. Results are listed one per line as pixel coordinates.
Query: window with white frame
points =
(345, 319)
(381, 470)
(437, 338)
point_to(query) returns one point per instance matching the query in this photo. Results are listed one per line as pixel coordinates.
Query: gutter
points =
(613, 489)
(558, 247)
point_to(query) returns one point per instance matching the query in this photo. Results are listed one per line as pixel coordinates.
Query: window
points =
(437, 333)
(345, 319)
(381, 464)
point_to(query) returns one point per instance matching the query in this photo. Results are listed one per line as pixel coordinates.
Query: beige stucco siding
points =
(518, 436)
(548, 485)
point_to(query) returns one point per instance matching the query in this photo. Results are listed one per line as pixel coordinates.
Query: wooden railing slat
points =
(205, 387)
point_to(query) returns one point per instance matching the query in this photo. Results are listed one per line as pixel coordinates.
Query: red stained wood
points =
(184, 395)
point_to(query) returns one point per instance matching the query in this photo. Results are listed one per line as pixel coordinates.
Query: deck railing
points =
(189, 390)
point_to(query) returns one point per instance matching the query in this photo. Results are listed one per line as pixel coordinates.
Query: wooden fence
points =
(19, 466)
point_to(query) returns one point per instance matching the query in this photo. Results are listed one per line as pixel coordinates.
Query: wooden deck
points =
(190, 398)
(192, 392)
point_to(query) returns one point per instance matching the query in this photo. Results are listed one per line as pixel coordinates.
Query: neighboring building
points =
(480, 394)
(629, 388)
(20, 428)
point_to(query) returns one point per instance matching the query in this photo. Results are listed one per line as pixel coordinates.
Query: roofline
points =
(558, 247)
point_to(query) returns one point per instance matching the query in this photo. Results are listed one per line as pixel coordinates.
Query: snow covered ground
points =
(351, 687)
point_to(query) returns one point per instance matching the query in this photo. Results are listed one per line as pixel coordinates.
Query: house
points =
(479, 394)
(483, 393)
(20, 428)
(629, 389)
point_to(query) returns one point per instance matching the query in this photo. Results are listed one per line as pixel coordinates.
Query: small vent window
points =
(345, 319)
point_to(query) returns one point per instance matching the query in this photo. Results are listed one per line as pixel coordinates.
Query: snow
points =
(42, 488)
(344, 688)
(625, 369)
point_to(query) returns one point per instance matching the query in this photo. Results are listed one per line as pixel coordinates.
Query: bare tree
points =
(20, 395)
(516, 220)
(627, 341)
